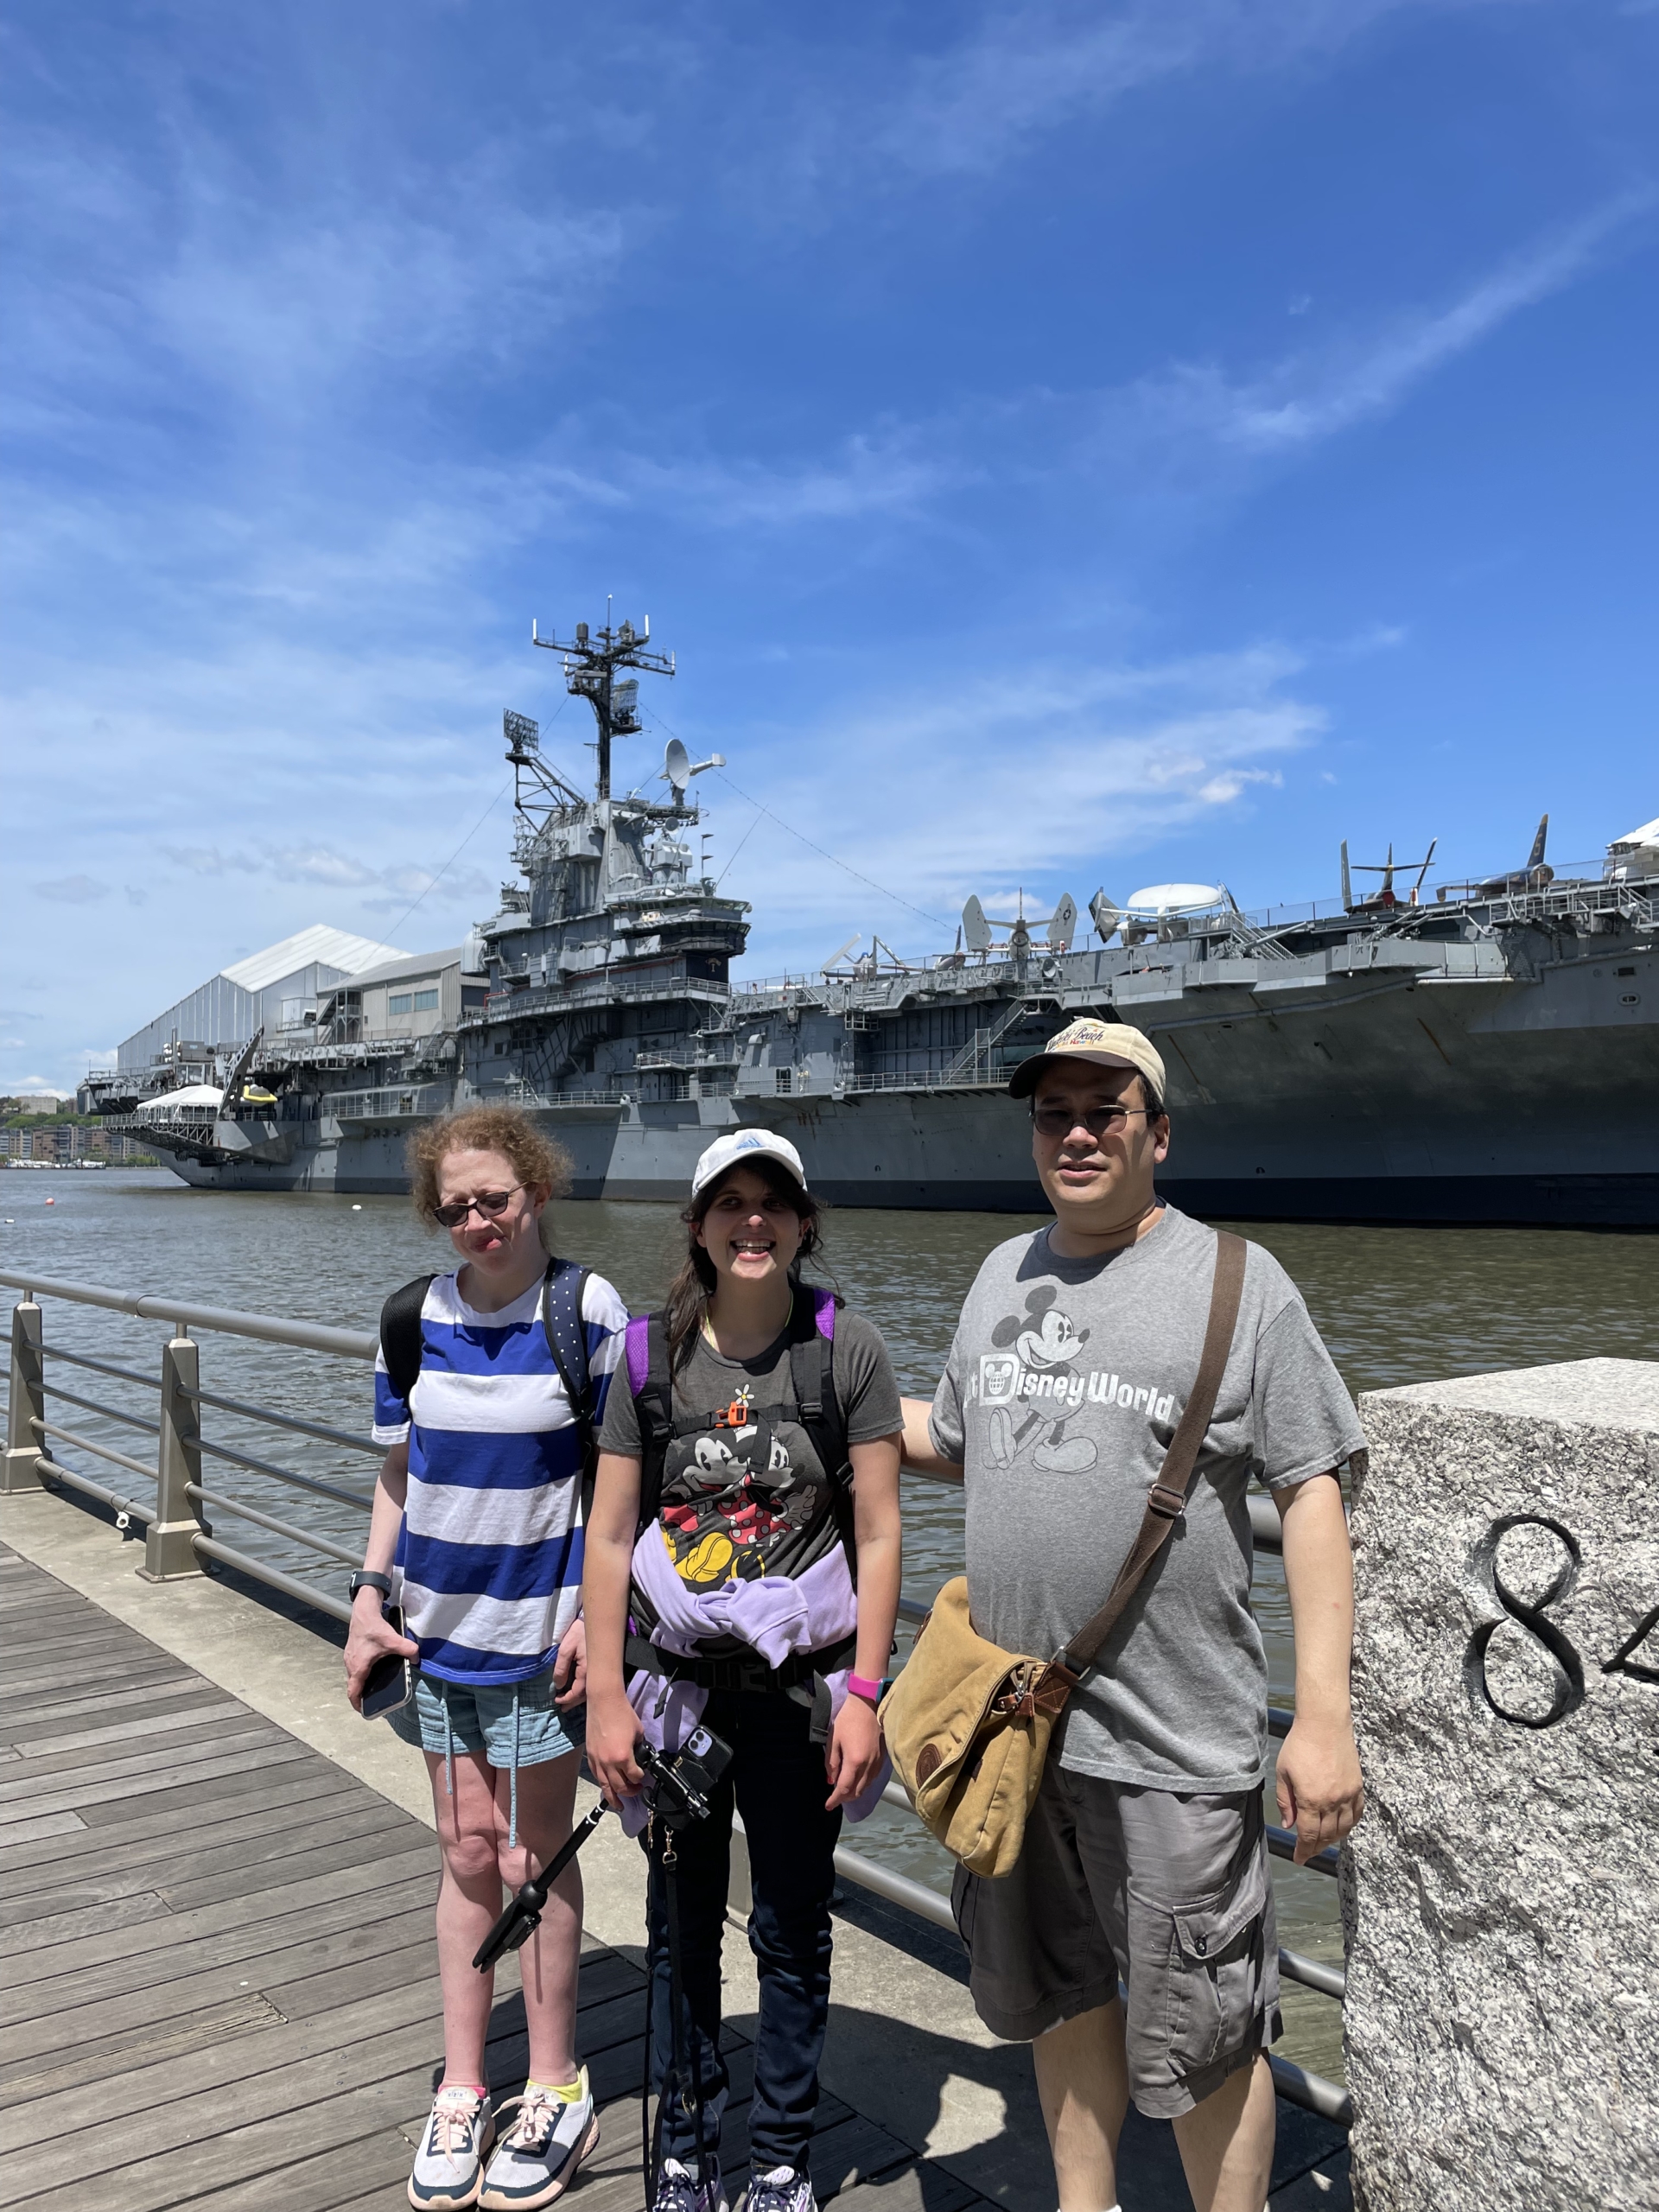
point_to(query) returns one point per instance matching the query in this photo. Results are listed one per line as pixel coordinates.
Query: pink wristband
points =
(861, 1687)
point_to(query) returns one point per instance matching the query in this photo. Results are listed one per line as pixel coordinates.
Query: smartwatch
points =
(364, 1581)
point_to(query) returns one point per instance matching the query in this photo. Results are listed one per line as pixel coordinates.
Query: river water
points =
(1394, 1305)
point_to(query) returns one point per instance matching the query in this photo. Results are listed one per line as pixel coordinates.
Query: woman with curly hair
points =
(477, 1534)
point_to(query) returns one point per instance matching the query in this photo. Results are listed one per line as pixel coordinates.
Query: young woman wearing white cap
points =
(742, 1573)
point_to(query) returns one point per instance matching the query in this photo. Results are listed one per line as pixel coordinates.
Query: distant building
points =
(415, 995)
(277, 990)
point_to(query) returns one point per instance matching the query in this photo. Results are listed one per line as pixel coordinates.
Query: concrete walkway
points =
(235, 1875)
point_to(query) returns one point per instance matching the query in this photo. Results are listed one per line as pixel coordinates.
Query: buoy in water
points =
(51, 1202)
(357, 1209)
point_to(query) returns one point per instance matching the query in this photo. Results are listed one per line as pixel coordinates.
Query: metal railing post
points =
(170, 1546)
(27, 1403)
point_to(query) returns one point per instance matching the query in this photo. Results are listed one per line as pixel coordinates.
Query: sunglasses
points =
(1060, 1121)
(491, 1204)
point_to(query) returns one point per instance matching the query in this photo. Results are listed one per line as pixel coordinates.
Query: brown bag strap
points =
(1167, 1501)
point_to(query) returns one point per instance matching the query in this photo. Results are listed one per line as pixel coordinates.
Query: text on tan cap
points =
(1107, 1044)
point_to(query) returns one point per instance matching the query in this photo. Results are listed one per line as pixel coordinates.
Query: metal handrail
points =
(240, 1506)
(110, 1413)
(130, 1506)
(225, 1320)
(287, 1420)
(99, 1451)
(102, 1367)
(257, 1571)
(284, 1474)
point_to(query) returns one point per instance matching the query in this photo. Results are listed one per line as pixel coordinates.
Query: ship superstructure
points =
(1477, 1052)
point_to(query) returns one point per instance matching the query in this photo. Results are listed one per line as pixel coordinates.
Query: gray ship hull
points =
(1422, 1104)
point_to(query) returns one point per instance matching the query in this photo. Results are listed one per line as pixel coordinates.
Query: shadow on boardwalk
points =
(222, 1986)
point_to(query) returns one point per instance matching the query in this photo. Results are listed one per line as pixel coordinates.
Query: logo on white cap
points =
(742, 1144)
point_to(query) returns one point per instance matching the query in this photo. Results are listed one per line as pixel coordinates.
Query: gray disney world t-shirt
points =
(1065, 1384)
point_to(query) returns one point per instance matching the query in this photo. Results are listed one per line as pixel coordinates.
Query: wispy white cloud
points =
(1308, 398)
(396, 884)
(72, 890)
(1020, 778)
(1024, 70)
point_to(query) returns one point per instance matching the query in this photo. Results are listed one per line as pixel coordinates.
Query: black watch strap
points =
(364, 1581)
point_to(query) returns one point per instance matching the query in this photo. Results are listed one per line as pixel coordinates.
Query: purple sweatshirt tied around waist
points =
(778, 1617)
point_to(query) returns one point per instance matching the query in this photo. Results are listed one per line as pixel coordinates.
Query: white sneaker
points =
(678, 2190)
(449, 2165)
(536, 2160)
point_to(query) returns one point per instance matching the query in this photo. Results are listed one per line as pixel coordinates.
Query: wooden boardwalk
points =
(221, 1985)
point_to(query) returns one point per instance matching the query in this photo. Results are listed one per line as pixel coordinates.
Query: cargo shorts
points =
(1170, 1893)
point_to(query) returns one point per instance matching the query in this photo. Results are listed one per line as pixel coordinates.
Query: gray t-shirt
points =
(744, 1493)
(1066, 1381)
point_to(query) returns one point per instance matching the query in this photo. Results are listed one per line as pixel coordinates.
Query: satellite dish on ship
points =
(975, 930)
(679, 766)
(1106, 916)
(1159, 901)
(1062, 924)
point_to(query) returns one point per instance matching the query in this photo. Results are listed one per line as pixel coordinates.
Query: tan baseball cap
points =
(1107, 1044)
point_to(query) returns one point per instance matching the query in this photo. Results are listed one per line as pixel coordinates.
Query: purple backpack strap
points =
(637, 1345)
(823, 1311)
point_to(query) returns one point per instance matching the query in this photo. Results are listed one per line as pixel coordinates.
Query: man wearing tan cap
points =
(1144, 1855)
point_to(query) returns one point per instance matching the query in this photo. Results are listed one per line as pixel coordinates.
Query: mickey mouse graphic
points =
(1047, 1342)
(729, 1497)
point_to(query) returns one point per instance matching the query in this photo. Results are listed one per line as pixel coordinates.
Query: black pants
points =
(776, 1779)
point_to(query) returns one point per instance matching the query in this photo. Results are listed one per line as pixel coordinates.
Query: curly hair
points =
(536, 1157)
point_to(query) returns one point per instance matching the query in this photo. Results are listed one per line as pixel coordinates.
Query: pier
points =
(217, 1882)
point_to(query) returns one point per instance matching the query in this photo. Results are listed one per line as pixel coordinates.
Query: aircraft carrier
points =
(1481, 1052)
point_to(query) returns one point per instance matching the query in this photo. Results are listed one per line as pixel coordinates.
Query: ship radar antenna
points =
(596, 668)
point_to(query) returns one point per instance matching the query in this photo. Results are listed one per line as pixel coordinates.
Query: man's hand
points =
(1319, 1790)
(369, 1637)
(570, 1668)
(613, 1730)
(852, 1757)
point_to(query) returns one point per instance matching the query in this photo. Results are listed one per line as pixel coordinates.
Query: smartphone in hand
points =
(390, 1683)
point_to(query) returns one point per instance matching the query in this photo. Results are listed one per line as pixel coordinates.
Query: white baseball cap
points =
(738, 1147)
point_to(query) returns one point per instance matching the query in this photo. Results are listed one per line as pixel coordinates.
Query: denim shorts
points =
(480, 1720)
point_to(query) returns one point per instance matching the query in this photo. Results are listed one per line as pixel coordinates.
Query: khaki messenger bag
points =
(968, 1724)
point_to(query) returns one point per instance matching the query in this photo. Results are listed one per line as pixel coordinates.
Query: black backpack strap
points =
(400, 1334)
(655, 1406)
(812, 1373)
(567, 1339)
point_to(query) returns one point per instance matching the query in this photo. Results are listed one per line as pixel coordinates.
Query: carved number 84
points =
(1566, 1667)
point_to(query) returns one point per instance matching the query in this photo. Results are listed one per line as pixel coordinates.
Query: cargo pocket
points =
(1214, 1986)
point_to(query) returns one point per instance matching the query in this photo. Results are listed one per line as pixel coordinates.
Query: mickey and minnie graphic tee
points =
(744, 1494)
(1066, 1381)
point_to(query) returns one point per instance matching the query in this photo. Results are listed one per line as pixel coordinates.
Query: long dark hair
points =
(691, 1289)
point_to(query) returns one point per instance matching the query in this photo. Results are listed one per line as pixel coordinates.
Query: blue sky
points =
(1065, 445)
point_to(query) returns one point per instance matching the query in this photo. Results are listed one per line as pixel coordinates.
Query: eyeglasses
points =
(1060, 1121)
(491, 1204)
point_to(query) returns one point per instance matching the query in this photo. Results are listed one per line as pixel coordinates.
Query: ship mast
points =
(592, 662)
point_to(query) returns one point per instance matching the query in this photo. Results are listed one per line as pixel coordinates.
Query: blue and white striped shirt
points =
(488, 1569)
